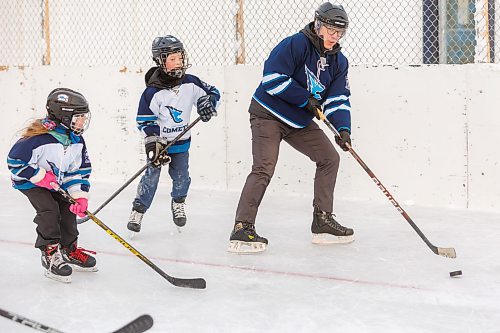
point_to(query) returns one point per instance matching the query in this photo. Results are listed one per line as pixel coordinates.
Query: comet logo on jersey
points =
(313, 84)
(54, 168)
(175, 114)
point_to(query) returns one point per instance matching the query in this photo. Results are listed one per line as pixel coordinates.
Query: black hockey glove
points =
(312, 106)
(156, 153)
(344, 138)
(206, 107)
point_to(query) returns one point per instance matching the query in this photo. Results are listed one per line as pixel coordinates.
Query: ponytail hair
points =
(38, 127)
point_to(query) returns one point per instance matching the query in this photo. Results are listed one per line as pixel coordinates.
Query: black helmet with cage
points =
(164, 46)
(331, 15)
(68, 108)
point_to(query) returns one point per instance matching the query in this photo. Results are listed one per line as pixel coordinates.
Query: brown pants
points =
(267, 134)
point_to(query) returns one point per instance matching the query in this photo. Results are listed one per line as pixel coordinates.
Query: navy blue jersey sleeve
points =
(204, 89)
(337, 107)
(20, 160)
(280, 67)
(147, 113)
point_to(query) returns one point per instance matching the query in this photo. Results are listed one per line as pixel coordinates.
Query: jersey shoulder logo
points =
(314, 85)
(86, 158)
(207, 86)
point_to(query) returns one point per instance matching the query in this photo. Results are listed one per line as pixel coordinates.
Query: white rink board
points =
(429, 133)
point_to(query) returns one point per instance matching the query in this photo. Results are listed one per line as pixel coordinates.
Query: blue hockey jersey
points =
(294, 71)
(166, 111)
(31, 157)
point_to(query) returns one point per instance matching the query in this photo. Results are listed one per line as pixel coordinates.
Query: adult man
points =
(304, 72)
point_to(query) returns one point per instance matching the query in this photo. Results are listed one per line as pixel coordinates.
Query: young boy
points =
(165, 111)
(52, 151)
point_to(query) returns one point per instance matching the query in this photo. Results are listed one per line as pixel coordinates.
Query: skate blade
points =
(325, 239)
(132, 234)
(179, 230)
(240, 247)
(58, 278)
(77, 268)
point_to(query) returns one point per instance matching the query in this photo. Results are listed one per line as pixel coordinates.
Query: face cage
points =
(318, 24)
(176, 72)
(80, 122)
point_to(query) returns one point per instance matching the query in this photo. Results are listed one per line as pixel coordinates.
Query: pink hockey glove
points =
(46, 180)
(79, 207)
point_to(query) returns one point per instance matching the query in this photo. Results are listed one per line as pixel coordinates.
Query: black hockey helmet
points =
(162, 47)
(333, 15)
(68, 108)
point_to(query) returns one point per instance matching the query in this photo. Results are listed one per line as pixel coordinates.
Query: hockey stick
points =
(448, 252)
(127, 183)
(138, 325)
(27, 322)
(197, 283)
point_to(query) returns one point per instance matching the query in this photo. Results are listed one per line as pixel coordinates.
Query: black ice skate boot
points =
(179, 211)
(79, 258)
(244, 239)
(56, 268)
(134, 221)
(326, 230)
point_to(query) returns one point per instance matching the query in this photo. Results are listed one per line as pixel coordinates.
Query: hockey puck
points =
(456, 274)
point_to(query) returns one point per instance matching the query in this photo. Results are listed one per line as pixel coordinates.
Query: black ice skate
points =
(179, 212)
(79, 258)
(134, 222)
(56, 268)
(244, 239)
(326, 230)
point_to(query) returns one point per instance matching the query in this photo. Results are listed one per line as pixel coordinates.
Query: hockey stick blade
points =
(138, 325)
(447, 252)
(196, 283)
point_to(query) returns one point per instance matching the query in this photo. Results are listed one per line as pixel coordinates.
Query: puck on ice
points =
(455, 273)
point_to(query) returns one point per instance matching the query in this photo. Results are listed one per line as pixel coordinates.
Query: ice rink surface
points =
(386, 281)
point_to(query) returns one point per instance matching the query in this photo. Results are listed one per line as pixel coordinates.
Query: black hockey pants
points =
(55, 222)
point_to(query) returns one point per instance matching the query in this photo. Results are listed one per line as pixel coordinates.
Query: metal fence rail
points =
(222, 32)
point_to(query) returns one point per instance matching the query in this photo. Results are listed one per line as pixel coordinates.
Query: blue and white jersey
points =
(293, 72)
(166, 112)
(31, 157)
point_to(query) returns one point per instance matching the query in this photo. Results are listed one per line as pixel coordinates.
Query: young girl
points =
(52, 151)
(165, 111)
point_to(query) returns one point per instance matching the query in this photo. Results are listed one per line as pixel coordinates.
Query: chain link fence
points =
(224, 32)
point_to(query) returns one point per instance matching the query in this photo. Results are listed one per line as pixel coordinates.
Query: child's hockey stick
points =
(137, 174)
(196, 283)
